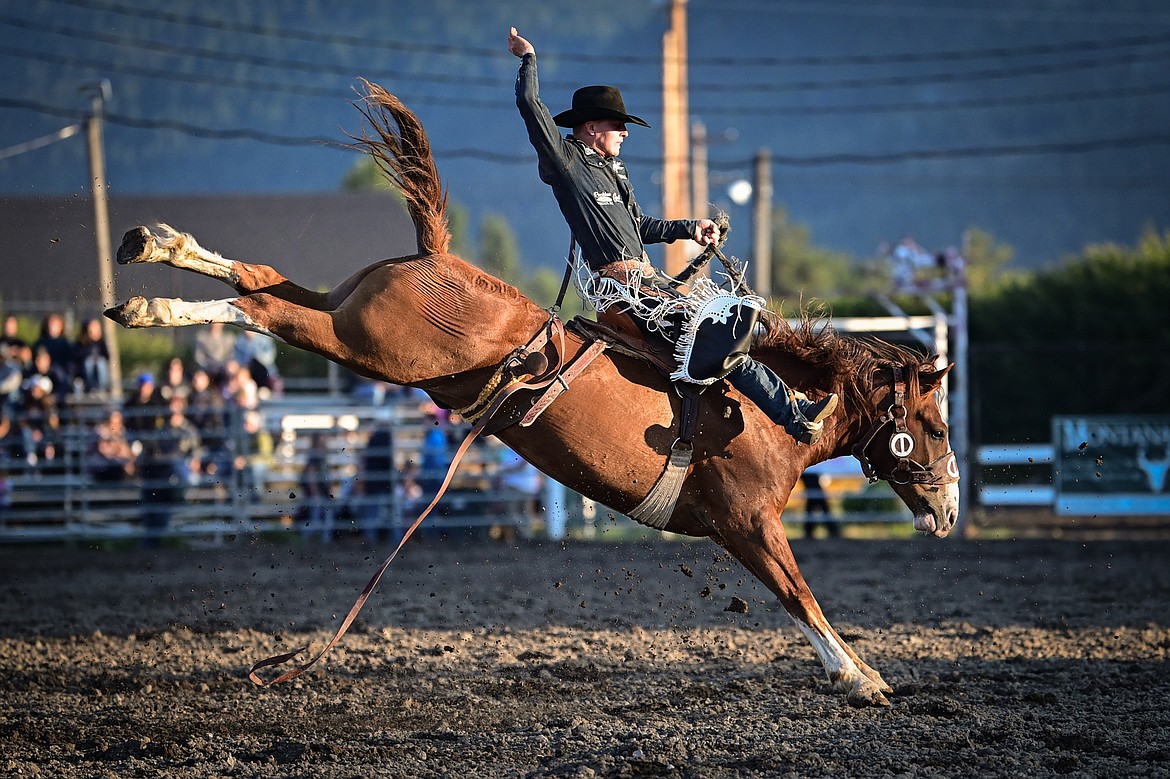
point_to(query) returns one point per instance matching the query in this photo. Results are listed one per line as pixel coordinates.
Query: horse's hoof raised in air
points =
(137, 246)
(135, 312)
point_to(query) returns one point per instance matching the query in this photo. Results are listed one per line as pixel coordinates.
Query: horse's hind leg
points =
(173, 312)
(765, 552)
(304, 328)
(181, 250)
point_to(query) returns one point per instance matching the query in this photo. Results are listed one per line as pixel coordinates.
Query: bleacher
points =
(62, 499)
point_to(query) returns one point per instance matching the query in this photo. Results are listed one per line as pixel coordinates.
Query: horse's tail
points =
(403, 152)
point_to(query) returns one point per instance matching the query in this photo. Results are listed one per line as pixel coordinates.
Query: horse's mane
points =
(844, 361)
(403, 153)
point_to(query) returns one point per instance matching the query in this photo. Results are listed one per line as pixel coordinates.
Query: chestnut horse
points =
(431, 320)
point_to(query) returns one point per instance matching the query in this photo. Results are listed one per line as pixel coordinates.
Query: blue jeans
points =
(762, 386)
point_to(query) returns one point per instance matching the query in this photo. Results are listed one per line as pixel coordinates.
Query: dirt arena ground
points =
(1009, 658)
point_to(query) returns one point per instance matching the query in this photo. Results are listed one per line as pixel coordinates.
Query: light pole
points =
(759, 194)
(100, 91)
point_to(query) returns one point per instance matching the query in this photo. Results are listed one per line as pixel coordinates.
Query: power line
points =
(1009, 150)
(1045, 147)
(348, 39)
(273, 139)
(488, 81)
(1001, 101)
(253, 85)
(138, 42)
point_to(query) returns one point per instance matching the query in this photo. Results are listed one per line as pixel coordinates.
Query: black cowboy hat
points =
(598, 102)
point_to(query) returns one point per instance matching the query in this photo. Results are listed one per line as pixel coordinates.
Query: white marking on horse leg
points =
(843, 672)
(839, 666)
(181, 250)
(173, 312)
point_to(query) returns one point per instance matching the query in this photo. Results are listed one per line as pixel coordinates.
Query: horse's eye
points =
(938, 435)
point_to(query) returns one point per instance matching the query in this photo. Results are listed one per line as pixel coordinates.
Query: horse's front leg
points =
(180, 250)
(763, 549)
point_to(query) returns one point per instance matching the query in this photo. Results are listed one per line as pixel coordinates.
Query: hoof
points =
(876, 678)
(137, 246)
(132, 313)
(865, 693)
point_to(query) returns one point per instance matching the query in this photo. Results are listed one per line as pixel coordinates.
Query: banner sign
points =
(1112, 464)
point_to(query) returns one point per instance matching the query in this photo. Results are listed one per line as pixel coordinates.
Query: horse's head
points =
(906, 444)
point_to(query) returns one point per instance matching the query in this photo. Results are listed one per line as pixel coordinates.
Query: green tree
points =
(459, 223)
(801, 269)
(985, 260)
(499, 253)
(1087, 337)
(365, 176)
(542, 286)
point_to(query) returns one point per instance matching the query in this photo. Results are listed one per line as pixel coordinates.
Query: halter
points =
(944, 470)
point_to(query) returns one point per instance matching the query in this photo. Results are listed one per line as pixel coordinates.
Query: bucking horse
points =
(433, 321)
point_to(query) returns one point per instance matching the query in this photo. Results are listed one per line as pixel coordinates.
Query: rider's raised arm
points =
(542, 130)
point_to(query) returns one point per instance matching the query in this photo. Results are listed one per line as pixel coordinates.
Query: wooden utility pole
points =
(762, 224)
(676, 195)
(699, 179)
(101, 226)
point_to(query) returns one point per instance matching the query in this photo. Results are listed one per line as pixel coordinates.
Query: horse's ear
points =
(932, 381)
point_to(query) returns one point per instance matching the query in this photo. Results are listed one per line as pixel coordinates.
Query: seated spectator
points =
(241, 390)
(43, 367)
(11, 444)
(169, 458)
(519, 481)
(257, 457)
(11, 374)
(257, 353)
(11, 334)
(174, 383)
(210, 414)
(373, 495)
(54, 342)
(112, 458)
(435, 456)
(91, 358)
(15, 361)
(215, 347)
(143, 412)
(316, 511)
(38, 421)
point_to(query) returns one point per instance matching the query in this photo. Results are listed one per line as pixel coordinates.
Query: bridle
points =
(944, 470)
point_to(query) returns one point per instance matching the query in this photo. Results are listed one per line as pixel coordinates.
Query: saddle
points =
(623, 335)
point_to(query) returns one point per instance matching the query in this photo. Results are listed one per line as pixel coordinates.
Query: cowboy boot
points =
(803, 419)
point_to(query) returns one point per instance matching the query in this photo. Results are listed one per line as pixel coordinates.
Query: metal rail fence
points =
(246, 476)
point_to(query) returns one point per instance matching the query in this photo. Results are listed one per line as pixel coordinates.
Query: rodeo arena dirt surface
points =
(539, 658)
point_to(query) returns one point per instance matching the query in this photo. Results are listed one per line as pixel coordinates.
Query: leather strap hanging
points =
(569, 262)
(373, 582)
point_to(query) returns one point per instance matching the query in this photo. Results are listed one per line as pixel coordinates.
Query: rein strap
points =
(293, 673)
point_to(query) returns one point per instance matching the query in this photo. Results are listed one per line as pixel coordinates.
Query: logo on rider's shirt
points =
(605, 198)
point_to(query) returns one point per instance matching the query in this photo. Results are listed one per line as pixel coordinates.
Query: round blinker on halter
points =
(901, 444)
(944, 470)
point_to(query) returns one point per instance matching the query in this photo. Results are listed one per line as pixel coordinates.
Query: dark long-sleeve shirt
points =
(593, 192)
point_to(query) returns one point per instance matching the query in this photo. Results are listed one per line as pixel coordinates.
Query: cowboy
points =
(594, 193)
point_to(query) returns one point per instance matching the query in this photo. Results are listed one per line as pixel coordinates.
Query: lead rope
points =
(369, 588)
